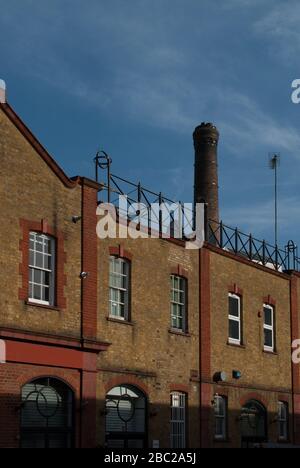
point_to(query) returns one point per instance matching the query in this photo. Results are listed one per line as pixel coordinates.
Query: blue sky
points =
(135, 77)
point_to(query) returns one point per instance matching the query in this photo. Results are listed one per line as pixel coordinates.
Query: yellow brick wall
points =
(30, 190)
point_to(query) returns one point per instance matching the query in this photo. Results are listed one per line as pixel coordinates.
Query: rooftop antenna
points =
(274, 163)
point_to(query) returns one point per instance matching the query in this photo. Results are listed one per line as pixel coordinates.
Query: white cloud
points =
(259, 218)
(280, 25)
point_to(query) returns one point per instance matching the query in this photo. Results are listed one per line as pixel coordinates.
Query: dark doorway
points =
(253, 424)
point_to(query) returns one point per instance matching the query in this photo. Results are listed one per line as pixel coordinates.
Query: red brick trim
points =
(89, 285)
(294, 329)
(52, 356)
(120, 252)
(205, 319)
(285, 399)
(61, 279)
(180, 388)
(180, 271)
(27, 134)
(268, 300)
(129, 380)
(53, 340)
(204, 347)
(24, 380)
(234, 289)
(254, 396)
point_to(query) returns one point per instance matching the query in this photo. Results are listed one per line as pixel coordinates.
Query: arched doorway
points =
(47, 414)
(126, 408)
(253, 424)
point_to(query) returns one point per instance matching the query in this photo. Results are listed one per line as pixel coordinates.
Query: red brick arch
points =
(179, 388)
(25, 378)
(254, 396)
(126, 380)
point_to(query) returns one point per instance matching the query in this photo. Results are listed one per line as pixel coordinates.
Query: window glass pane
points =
(45, 292)
(31, 258)
(268, 313)
(39, 260)
(234, 330)
(268, 338)
(47, 262)
(37, 292)
(219, 427)
(282, 429)
(282, 410)
(234, 306)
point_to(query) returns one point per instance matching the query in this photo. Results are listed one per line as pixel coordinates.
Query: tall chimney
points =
(206, 190)
(2, 92)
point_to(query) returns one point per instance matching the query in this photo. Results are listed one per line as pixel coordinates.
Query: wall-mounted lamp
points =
(220, 377)
(76, 219)
(236, 374)
(84, 274)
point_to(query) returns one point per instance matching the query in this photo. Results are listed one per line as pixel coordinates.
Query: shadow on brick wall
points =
(85, 427)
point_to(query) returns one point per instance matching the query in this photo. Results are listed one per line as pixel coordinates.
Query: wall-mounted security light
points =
(220, 377)
(76, 219)
(236, 374)
(84, 274)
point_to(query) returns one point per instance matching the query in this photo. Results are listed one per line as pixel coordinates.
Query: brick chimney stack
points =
(206, 190)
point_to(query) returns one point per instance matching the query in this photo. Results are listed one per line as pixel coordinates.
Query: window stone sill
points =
(271, 353)
(121, 322)
(172, 331)
(42, 306)
(235, 345)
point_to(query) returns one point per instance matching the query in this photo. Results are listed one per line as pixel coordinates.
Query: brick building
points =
(97, 351)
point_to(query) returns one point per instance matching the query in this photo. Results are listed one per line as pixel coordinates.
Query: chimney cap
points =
(206, 126)
(2, 92)
(206, 130)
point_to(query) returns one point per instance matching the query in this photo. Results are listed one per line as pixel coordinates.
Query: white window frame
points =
(178, 304)
(178, 420)
(43, 269)
(220, 415)
(122, 306)
(283, 420)
(235, 319)
(270, 328)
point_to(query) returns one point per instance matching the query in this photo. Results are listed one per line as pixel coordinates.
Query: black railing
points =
(247, 246)
(218, 234)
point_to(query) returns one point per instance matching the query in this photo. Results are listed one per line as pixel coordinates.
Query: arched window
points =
(254, 423)
(126, 418)
(47, 419)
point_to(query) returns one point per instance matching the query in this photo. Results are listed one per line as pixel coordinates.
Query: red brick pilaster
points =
(89, 259)
(89, 401)
(295, 367)
(205, 347)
